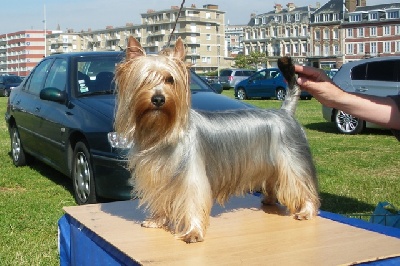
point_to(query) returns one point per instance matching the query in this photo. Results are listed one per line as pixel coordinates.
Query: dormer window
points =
(355, 18)
(373, 16)
(392, 14)
(297, 17)
(326, 17)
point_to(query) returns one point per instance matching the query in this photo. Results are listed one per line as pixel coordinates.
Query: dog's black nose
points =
(158, 100)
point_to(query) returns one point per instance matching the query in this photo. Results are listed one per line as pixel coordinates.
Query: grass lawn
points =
(355, 173)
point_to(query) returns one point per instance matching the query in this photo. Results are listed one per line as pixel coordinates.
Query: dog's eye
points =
(169, 80)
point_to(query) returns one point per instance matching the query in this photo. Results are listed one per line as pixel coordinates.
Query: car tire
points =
(280, 94)
(348, 124)
(17, 151)
(83, 176)
(241, 94)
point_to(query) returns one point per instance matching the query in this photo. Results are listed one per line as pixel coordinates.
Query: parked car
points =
(266, 83)
(331, 72)
(62, 114)
(374, 76)
(7, 83)
(230, 77)
(215, 85)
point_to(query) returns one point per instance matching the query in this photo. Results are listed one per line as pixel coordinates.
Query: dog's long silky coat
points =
(183, 160)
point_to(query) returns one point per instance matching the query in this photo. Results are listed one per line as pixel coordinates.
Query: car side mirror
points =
(217, 87)
(52, 94)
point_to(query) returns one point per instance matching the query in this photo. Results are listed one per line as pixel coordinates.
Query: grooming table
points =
(242, 233)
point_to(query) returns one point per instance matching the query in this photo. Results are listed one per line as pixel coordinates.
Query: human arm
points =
(379, 110)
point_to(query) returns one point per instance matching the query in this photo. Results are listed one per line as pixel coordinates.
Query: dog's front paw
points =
(153, 223)
(307, 212)
(193, 237)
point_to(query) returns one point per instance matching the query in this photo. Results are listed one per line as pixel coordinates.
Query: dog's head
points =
(153, 94)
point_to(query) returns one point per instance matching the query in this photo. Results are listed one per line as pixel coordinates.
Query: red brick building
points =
(21, 51)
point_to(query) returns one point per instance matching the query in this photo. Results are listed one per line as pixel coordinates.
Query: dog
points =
(183, 160)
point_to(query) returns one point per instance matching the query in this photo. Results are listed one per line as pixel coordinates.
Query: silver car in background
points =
(228, 78)
(378, 76)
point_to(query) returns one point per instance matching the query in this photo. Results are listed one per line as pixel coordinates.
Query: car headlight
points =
(118, 141)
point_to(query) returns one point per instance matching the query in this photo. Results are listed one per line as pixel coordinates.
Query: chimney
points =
(290, 6)
(278, 8)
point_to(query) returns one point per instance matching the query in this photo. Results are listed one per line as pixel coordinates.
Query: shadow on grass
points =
(344, 205)
(53, 175)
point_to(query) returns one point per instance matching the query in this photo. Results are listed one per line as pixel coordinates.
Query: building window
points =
(326, 17)
(397, 46)
(360, 32)
(288, 18)
(373, 16)
(397, 29)
(317, 35)
(317, 50)
(335, 33)
(392, 14)
(326, 50)
(373, 50)
(208, 48)
(208, 37)
(208, 26)
(349, 33)
(372, 31)
(360, 48)
(335, 17)
(350, 48)
(386, 47)
(256, 21)
(264, 20)
(386, 30)
(326, 34)
(336, 49)
(316, 18)
(304, 31)
(304, 47)
(295, 48)
(297, 17)
(287, 48)
(296, 31)
(355, 18)
(204, 59)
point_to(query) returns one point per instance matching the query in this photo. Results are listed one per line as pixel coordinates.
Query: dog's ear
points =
(134, 48)
(180, 51)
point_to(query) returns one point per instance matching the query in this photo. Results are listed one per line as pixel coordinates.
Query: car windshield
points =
(95, 76)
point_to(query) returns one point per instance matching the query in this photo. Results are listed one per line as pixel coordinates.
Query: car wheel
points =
(17, 152)
(83, 176)
(241, 94)
(348, 124)
(280, 94)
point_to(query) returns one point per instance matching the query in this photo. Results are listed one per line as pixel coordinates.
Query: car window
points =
(96, 74)
(260, 75)
(248, 73)
(382, 71)
(239, 73)
(35, 82)
(1, 79)
(57, 76)
(225, 73)
(359, 72)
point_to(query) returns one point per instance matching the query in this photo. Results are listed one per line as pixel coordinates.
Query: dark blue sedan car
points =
(266, 83)
(63, 115)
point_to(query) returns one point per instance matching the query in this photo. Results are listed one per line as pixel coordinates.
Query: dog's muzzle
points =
(158, 100)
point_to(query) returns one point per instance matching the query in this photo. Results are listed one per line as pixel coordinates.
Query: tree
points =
(253, 60)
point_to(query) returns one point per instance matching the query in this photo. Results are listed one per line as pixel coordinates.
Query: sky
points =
(98, 14)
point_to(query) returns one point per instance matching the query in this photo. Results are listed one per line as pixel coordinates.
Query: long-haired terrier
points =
(183, 160)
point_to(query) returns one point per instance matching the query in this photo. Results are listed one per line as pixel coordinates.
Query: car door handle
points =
(362, 89)
(37, 109)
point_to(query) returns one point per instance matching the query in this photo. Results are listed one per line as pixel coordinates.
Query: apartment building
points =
(371, 31)
(234, 36)
(202, 30)
(325, 45)
(281, 32)
(21, 51)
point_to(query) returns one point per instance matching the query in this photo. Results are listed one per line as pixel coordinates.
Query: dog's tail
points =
(293, 91)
